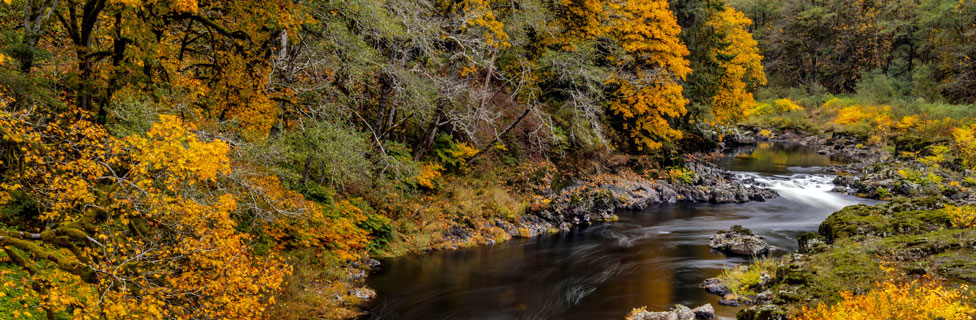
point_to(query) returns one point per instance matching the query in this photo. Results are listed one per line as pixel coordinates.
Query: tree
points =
(135, 227)
(741, 64)
(702, 39)
(648, 92)
(214, 55)
(829, 43)
(948, 27)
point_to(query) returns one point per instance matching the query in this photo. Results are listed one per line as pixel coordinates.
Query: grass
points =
(471, 202)
(746, 280)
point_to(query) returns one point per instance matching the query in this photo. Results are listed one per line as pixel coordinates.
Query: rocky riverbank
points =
(585, 201)
(597, 198)
(911, 235)
(851, 251)
(909, 168)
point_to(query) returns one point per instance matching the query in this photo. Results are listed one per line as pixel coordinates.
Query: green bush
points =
(325, 152)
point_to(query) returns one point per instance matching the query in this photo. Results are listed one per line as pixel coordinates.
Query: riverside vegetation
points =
(184, 159)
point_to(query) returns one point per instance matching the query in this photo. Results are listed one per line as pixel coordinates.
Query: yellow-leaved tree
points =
(647, 82)
(140, 227)
(741, 66)
(583, 19)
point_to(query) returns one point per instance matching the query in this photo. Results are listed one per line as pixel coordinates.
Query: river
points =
(655, 257)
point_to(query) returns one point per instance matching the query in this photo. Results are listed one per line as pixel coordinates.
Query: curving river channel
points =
(654, 258)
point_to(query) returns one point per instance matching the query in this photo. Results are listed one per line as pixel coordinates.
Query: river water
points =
(654, 258)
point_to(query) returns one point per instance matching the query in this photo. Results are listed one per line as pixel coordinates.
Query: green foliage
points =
(379, 227)
(913, 175)
(131, 116)
(10, 304)
(325, 152)
(681, 174)
(20, 211)
(879, 88)
(969, 181)
(451, 153)
(897, 49)
(882, 193)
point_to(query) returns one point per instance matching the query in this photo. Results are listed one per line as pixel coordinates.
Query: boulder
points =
(739, 241)
(705, 312)
(714, 286)
(845, 180)
(729, 302)
(677, 312)
(722, 196)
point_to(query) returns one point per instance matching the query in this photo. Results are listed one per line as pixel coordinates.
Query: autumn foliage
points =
(137, 226)
(649, 93)
(741, 63)
(916, 299)
(146, 146)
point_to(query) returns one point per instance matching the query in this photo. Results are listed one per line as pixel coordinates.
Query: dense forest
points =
(185, 159)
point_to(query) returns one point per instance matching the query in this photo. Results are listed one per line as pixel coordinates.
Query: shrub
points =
(965, 143)
(879, 88)
(882, 192)
(915, 176)
(786, 105)
(453, 154)
(325, 152)
(746, 280)
(917, 299)
(427, 178)
(681, 174)
(962, 216)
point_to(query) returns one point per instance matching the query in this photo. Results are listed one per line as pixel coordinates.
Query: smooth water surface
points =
(654, 258)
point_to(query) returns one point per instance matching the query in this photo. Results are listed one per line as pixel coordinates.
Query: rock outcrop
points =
(739, 241)
(677, 312)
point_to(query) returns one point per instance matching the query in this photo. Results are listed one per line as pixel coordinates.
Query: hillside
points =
(186, 159)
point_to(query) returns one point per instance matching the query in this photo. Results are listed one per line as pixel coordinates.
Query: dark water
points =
(654, 258)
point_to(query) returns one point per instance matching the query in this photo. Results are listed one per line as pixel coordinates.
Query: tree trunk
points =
(499, 137)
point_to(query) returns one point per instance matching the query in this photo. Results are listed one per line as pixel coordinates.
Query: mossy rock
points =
(957, 264)
(901, 216)
(811, 243)
(763, 312)
(914, 235)
(911, 143)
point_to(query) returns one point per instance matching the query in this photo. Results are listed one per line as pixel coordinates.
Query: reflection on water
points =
(779, 158)
(652, 258)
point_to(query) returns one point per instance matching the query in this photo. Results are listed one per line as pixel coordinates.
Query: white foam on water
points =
(811, 189)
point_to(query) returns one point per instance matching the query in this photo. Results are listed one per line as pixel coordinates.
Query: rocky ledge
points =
(739, 241)
(677, 312)
(588, 201)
